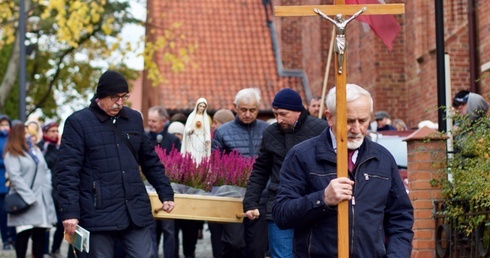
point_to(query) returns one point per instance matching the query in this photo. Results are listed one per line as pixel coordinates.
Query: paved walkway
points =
(203, 247)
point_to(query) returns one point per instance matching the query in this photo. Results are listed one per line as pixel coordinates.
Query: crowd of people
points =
(91, 177)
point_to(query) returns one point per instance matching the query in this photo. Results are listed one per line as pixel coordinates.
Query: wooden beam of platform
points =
(307, 10)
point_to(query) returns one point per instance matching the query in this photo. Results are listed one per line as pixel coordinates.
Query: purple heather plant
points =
(217, 170)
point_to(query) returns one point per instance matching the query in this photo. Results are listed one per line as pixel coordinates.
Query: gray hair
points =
(248, 95)
(161, 110)
(353, 92)
(315, 98)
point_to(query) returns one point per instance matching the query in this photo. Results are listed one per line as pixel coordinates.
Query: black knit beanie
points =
(288, 99)
(461, 98)
(110, 84)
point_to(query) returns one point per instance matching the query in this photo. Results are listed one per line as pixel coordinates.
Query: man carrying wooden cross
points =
(380, 211)
(387, 34)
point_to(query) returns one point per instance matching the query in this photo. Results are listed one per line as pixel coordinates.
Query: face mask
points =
(29, 140)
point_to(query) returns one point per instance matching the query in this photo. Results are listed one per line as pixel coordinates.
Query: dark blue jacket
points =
(98, 177)
(3, 141)
(235, 135)
(381, 214)
(169, 141)
(275, 145)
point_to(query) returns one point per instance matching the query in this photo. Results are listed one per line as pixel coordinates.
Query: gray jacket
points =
(21, 170)
(235, 135)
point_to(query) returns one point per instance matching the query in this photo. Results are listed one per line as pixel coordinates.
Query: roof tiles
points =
(234, 51)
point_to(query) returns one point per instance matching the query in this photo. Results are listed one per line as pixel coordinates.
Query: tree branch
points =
(51, 84)
(12, 68)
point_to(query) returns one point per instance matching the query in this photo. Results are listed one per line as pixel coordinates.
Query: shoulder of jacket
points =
(377, 148)
(316, 124)
(270, 129)
(171, 137)
(222, 129)
(317, 121)
(80, 116)
(132, 112)
(262, 123)
(78, 113)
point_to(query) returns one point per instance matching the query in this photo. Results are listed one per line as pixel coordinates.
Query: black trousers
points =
(38, 239)
(248, 239)
(58, 234)
(256, 237)
(216, 230)
(189, 236)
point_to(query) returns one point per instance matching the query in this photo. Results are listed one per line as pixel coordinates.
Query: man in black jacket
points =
(293, 126)
(98, 176)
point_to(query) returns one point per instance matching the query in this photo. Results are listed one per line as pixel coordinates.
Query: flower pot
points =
(200, 207)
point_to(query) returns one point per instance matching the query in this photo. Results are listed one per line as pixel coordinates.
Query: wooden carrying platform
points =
(200, 207)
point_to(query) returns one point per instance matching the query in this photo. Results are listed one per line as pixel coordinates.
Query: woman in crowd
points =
(25, 164)
(399, 125)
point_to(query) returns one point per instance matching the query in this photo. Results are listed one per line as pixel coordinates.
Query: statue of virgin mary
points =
(197, 133)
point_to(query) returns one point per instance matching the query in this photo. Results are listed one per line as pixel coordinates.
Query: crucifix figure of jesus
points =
(340, 24)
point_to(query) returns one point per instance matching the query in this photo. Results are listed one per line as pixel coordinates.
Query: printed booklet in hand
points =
(80, 240)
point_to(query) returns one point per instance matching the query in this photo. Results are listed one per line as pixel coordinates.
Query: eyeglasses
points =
(116, 98)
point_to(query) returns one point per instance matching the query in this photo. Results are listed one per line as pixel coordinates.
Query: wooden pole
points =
(325, 79)
(341, 137)
(307, 10)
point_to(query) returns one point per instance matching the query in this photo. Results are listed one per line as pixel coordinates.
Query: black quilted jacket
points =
(98, 177)
(275, 145)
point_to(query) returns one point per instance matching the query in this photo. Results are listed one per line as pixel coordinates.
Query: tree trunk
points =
(12, 72)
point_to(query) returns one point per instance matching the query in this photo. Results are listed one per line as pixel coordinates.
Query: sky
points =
(134, 34)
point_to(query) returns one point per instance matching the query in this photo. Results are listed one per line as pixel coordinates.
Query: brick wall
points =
(403, 81)
(425, 159)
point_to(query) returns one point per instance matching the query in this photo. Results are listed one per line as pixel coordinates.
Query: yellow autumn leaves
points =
(73, 20)
(176, 53)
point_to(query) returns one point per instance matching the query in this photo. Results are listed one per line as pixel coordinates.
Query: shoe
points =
(7, 247)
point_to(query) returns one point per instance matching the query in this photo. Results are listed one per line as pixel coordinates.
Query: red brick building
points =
(241, 44)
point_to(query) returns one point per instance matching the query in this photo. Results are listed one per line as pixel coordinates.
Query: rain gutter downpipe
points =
(281, 72)
(441, 80)
(473, 48)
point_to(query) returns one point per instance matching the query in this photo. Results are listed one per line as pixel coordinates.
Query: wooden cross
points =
(339, 7)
